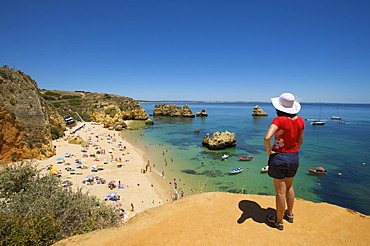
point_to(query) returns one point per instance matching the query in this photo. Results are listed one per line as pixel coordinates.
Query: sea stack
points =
(172, 110)
(202, 113)
(219, 140)
(257, 111)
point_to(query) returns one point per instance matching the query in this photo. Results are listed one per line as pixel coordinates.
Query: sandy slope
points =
(233, 219)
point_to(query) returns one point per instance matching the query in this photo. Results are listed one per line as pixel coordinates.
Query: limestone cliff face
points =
(114, 110)
(25, 118)
(172, 110)
(110, 110)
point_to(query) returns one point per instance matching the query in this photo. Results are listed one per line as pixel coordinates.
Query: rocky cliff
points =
(25, 118)
(172, 110)
(110, 110)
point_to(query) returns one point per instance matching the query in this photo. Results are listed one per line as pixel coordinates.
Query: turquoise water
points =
(176, 150)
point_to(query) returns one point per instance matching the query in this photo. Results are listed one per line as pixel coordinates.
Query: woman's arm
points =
(300, 139)
(270, 132)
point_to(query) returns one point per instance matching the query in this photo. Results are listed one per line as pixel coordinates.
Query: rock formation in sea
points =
(257, 111)
(172, 110)
(149, 122)
(25, 118)
(202, 113)
(219, 140)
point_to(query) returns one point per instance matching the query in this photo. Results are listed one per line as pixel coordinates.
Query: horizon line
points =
(236, 101)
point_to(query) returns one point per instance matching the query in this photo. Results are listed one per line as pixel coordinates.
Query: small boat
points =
(245, 158)
(236, 170)
(318, 123)
(318, 170)
(225, 156)
(265, 169)
(335, 118)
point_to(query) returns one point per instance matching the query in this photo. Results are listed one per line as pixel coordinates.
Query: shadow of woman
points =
(253, 210)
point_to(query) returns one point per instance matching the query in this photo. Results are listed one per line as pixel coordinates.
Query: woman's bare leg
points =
(289, 194)
(280, 190)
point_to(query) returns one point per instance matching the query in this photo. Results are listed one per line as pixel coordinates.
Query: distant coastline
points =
(196, 101)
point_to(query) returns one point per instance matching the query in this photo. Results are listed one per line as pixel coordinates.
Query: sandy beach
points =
(109, 159)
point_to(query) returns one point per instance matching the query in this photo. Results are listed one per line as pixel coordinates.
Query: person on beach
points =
(288, 131)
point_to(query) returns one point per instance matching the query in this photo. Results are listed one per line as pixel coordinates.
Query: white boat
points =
(225, 156)
(336, 117)
(318, 122)
(236, 170)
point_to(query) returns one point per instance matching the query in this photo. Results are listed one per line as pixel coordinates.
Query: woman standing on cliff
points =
(288, 131)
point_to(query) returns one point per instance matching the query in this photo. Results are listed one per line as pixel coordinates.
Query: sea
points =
(175, 150)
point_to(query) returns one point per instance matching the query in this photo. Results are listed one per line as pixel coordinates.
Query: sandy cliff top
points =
(233, 219)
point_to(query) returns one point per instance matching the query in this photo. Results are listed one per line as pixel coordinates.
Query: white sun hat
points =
(286, 103)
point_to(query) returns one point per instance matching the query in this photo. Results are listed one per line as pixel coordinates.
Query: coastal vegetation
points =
(57, 212)
(85, 106)
(56, 133)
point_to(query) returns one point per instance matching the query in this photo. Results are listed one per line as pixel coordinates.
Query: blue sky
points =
(224, 50)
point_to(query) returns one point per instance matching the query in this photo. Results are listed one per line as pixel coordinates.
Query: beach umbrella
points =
(112, 182)
(94, 167)
(119, 211)
(112, 194)
(66, 182)
(53, 170)
(90, 176)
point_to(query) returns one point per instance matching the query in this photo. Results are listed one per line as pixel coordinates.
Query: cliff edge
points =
(233, 219)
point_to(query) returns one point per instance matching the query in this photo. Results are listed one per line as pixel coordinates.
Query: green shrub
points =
(74, 103)
(56, 104)
(85, 117)
(56, 133)
(16, 178)
(50, 98)
(40, 228)
(71, 114)
(70, 97)
(50, 93)
(36, 210)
